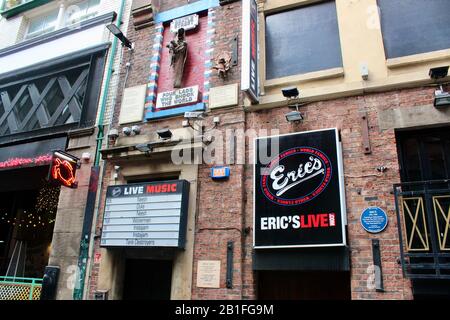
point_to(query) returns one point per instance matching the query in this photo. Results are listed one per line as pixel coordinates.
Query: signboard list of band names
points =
(142, 217)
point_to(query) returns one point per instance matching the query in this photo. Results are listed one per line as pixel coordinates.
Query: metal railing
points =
(14, 288)
(423, 220)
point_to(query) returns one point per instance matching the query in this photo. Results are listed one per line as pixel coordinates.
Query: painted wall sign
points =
(187, 23)
(220, 172)
(249, 74)
(177, 97)
(146, 215)
(299, 196)
(374, 219)
(63, 169)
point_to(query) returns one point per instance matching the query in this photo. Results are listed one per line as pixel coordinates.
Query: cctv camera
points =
(113, 134)
(438, 73)
(136, 129)
(291, 92)
(126, 131)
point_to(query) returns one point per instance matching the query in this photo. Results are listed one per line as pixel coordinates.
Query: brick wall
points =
(225, 208)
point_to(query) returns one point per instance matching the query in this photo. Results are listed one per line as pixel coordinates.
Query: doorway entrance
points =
(303, 285)
(147, 279)
(424, 157)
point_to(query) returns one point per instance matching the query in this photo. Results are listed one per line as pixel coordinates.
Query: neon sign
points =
(63, 169)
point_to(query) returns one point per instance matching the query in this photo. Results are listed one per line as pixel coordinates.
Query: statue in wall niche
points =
(223, 64)
(178, 51)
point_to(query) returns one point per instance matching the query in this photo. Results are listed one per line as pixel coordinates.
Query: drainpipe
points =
(95, 172)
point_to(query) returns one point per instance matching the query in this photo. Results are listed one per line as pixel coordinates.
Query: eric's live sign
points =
(299, 194)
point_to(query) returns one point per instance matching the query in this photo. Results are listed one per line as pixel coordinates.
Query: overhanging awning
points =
(302, 259)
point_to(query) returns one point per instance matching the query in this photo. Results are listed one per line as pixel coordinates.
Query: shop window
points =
(302, 40)
(414, 26)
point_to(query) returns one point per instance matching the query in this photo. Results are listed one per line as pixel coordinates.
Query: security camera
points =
(136, 129)
(194, 115)
(113, 134)
(290, 93)
(438, 73)
(126, 131)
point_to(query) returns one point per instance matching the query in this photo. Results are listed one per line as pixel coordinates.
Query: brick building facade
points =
(371, 115)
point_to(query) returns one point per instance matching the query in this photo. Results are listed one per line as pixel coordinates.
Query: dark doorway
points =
(303, 285)
(147, 279)
(424, 154)
(424, 158)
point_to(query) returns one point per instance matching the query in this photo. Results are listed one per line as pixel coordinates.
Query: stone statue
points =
(178, 50)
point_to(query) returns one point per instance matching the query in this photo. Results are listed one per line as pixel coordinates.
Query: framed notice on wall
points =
(146, 215)
(299, 196)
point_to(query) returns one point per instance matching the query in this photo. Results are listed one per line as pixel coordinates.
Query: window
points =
(42, 24)
(302, 40)
(81, 11)
(414, 26)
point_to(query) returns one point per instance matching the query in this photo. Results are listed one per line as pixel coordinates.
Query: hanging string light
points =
(44, 211)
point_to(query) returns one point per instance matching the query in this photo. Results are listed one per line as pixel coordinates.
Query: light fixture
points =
(441, 98)
(294, 116)
(292, 93)
(119, 35)
(144, 148)
(164, 134)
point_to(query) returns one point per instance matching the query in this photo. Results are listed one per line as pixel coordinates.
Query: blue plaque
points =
(374, 220)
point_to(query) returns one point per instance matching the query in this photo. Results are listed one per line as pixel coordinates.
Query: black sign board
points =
(298, 193)
(146, 215)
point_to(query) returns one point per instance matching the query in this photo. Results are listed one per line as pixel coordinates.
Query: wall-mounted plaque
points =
(146, 215)
(208, 274)
(224, 96)
(133, 101)
(178, 97)
(187, 23)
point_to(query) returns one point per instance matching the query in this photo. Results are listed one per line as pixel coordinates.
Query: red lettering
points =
(162, 188)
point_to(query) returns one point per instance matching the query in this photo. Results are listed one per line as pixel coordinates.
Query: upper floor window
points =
(302, 40)
(82, 11)
(42, 24)
(62, 17)
(414, 26)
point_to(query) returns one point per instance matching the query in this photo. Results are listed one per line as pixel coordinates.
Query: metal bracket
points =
(377, 264)
(230, 247)
(365, 133)
(234, 51)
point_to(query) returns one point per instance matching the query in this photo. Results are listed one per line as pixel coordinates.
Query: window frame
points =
(275, 8)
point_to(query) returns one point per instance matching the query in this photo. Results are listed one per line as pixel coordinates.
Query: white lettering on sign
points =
(133, 190)
(177, 97)
(187, 23)
(309, 169)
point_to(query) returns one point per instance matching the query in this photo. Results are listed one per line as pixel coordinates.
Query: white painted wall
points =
(53, 49)
(9, 30)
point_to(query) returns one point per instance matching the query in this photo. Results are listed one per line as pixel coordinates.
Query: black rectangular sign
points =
(146, 215)
(299, 193)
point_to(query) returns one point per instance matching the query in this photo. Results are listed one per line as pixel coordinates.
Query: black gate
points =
(423, 219)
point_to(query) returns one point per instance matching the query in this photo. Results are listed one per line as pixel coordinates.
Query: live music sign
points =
(146, 215)
(299, 191)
